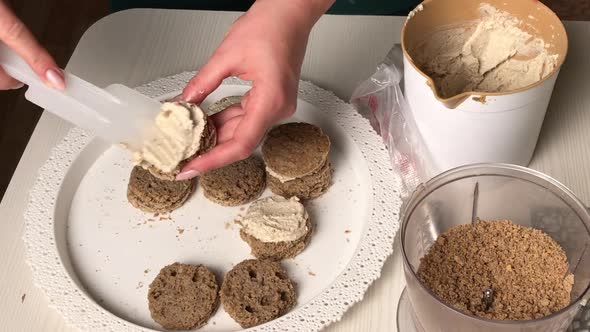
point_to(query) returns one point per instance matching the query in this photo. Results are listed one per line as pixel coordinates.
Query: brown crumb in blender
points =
(525, 269)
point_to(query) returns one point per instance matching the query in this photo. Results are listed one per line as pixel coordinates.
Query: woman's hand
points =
(15, 35)
(266, 46)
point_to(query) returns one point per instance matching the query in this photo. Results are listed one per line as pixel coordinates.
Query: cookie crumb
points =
(526, 270)
(146, 271)
(311, 273)
(348, 231)
(180, 230)
(479, 99)
(22, 298)
(139, 285)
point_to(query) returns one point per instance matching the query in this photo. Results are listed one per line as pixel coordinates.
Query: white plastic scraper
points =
(117, 113)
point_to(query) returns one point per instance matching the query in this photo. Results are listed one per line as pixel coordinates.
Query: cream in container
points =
(479, 77)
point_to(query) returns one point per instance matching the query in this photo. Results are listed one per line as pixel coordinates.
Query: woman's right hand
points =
(266, 46)
(15, 35)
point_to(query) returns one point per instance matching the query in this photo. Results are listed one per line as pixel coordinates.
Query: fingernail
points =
(191, 97)
(16, 86)
(55, 79)
(191, 173)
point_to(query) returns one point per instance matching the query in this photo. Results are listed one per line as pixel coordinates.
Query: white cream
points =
(175, 136)
(278, 176)
(490, 55)
(276, 219)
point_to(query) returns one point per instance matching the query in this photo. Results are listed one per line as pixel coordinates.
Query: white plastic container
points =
(476, 127)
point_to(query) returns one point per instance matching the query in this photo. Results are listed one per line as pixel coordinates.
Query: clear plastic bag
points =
(380, 99)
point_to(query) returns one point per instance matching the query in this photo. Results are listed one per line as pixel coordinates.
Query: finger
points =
(7, 82)
(227, 114)
(208, 78)
(226, 132)
(222, 155)
(269, 101)
(245, 98)
(15, 35)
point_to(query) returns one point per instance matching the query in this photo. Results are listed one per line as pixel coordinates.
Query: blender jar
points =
(493, 192)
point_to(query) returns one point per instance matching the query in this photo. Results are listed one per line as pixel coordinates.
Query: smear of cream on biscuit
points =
(175, 136)
(278, 176)
(276, 219)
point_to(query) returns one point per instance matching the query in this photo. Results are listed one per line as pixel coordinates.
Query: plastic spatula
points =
(116, 113)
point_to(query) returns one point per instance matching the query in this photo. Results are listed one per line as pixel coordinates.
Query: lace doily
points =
(376, 244)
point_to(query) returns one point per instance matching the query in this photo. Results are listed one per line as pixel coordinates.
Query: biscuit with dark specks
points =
(257, 291)
(183, 297)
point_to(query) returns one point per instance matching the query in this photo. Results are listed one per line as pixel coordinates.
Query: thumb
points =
(209, 78)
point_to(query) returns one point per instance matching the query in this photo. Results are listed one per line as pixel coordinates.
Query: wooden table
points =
(133, 47)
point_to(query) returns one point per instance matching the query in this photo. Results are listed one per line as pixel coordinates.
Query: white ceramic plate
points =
(95, 255)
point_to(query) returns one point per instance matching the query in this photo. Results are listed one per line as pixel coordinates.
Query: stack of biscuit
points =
(153, 195)
(236, 184)
(208, 140)
(296, 158)
(276, 228)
